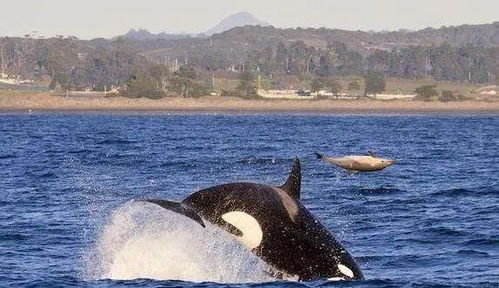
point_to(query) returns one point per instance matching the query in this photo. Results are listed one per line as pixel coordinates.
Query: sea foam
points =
(142, 240)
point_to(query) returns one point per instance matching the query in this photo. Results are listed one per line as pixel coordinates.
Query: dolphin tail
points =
(177, 208)
(320, 156)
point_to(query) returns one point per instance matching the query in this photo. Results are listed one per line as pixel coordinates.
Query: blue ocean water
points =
(431, 220)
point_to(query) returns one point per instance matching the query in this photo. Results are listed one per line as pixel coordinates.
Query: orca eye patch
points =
(247, 225)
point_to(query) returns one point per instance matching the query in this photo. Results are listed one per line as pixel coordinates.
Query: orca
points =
(272, 223)
(358, 163)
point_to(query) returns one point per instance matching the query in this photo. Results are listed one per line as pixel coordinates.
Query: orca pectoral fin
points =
(177, 208)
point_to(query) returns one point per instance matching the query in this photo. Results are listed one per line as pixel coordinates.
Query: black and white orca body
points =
(274, 225)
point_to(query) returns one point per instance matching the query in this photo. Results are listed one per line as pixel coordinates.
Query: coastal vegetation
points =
(246, 87)
(259, 57)
(375, 82)
(426, 92)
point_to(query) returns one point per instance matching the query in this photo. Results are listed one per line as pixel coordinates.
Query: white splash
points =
(142, 240)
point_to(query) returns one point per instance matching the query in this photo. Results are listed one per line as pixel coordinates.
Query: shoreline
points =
(385, 112)
(43, 102)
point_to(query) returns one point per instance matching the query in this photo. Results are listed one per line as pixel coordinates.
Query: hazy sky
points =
(107, 18)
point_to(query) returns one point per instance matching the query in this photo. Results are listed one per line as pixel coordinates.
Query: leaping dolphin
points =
(274, 225)
(358, 163)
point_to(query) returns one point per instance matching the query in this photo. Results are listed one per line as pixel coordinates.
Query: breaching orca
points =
(274, 225)
(358, 163)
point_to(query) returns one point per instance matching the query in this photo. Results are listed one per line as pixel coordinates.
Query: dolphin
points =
(274, 225)
(358, 163)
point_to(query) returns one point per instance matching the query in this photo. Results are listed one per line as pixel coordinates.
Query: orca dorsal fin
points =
(293, 184)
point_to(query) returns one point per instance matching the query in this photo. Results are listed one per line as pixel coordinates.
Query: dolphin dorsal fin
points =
(293, 184)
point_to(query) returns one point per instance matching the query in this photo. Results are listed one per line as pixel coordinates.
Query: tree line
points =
(473, 64)
(70, 63)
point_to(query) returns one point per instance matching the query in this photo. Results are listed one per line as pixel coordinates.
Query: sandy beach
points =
(45, 102)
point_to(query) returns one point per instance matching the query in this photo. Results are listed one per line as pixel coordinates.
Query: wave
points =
(115, 141)
(479, 191)
(176, 164)
(144, 241)
(13, 237)
(7, 156)
(41, 174)
(471, 252)
(80, 151)
(376, 191)
(47, 175)
(446, 231)
(365, 283)
(263, 160)
(482, 242)
(119, 160)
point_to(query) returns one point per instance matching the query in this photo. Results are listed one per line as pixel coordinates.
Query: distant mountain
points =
(143, 34)
(235, 20)
(232, 21)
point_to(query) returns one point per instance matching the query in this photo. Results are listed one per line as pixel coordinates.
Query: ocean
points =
(68, 182)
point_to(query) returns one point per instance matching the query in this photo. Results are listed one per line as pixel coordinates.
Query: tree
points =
(317, 84)
(161, 76)
(334, 86)
(247, 87)
(426, 92)
(281, 58)
(141, 85)
(375, 82)
(448, 95)
(183, 80)
(53, 83)
(353, 86)
(325, 66)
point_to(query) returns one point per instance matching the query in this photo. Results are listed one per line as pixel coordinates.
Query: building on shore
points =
(392, 96)
(14, 80)
(284, 94)
(307, 95)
